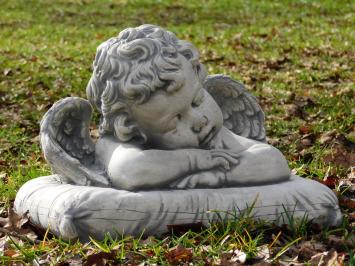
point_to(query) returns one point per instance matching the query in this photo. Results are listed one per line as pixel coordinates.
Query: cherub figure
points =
(164, 122)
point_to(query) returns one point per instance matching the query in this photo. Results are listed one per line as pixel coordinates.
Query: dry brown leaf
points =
(327, 137)
(99, 259)
(149, 241)
(3, 221)
(340, 156)
(306, 251)
(306, 155)
(339, 243)
(14, 221)
(276, 64)
(306, 142)
(351, 175)
(293, 110)
(347, 203)
(304, 129)
(11, 253)
(328, 258)
(77, 261)
(347, 187)
(178, 254)
(331, 181)
(17, 226)
(224, 260)
(3, 245)
(263, 252)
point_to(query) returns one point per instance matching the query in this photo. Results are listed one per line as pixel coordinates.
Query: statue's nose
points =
(199, 124)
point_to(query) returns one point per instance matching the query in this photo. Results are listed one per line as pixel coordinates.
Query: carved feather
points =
(241, 112)
(67, 145)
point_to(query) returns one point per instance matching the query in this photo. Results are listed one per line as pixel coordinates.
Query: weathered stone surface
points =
(81, 211)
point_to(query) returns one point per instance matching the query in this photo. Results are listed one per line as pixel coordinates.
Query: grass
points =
(296, 56)
(220, 242)
(209, 245)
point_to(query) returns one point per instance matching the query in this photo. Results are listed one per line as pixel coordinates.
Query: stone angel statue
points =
(164, 123)
(174, 144)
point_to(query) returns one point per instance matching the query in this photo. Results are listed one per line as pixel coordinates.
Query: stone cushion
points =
(73, 211)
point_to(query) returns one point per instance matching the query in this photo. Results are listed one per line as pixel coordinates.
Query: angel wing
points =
(241, 111)
(67, 145)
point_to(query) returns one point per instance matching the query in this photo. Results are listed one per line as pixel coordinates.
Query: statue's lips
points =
(208, 137)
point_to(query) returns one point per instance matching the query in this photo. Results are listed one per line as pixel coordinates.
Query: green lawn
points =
(296, 56)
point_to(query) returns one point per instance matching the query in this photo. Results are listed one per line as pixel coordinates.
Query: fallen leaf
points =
(95, 134)
(7, 71)
(347, 203)
(340, 157)
(36, 139)
(224, 260)
(3, 162)
(178, 254)
(306, 155)
(342, 140)
(339, 243)
(237, 37)
(327, 137)
(263, 252)
(351, 174)
(347, 187)
(306, 142)
(293, 110)
(273, 141)
(351, 217)
(303, 129)
(276, 64)
(3, 244)
(331, 181)
(76, 261)
(238, 256)
(306, 251)
(33, 58)
(328, 258)
(20, 225)
(14, 221)
(11, 253)
(149, 241)
(99, 259)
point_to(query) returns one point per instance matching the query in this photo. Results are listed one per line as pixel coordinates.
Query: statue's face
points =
(186, 118)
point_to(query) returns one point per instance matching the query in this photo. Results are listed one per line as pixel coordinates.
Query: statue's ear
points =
(126, 130)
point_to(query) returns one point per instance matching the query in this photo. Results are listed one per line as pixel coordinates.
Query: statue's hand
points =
(202, 160)
(209, 179)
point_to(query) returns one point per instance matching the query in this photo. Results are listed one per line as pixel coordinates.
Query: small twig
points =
(22, 237)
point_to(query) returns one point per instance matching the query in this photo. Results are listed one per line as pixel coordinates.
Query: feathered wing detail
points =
(241, 111)
(67, 145)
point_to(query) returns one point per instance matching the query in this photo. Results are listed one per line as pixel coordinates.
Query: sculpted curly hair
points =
(129, 68)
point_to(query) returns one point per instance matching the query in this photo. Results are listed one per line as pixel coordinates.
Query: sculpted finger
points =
(227, 152)
(182, 184)
(220, 161)
(229, 157)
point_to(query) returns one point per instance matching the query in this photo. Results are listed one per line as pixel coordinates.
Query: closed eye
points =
(198, 99)
(172, 124)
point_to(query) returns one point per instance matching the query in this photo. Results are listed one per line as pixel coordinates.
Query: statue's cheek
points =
(217, 114)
